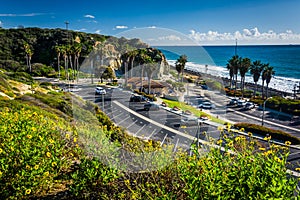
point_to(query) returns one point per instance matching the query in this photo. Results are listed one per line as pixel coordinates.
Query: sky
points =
(165, 22)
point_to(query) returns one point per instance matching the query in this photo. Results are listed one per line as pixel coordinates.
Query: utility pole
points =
(235, 49)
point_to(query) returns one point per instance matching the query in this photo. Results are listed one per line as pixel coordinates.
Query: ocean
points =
(284, 58)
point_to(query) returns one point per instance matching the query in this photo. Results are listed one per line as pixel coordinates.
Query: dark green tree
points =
(255, 70)
(180, 65)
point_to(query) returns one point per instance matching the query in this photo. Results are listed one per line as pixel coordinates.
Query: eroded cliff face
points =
(144, 61)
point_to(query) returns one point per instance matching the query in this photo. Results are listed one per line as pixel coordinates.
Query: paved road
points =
(166, 126)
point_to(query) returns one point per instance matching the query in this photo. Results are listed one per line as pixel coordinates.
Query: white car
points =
(100, 90)
(249, 106)
(241, 103)
(189, 121)
(206, 105)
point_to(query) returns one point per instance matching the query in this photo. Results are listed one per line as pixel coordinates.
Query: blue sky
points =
(205, 22)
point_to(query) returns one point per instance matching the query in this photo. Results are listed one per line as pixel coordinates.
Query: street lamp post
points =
(263, 114)
(198, 133)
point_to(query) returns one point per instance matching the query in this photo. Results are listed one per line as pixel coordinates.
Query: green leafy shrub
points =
(32, 152)
(262, 130)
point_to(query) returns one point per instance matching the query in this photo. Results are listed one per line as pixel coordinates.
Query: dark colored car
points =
(137, 98)
(151, 106)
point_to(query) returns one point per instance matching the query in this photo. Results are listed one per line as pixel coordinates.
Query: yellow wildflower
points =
(41, 138)
(46, 174)
(237, 139)
(12, 148)
(54, 164)
(36, 167)
(127, 181)
(67, 136)
(1, 150)
(249, 134)
(48, 154)
(242, 129)
(27, 167)
(29, 136)
(230, 144)
(1, 173)
(219, 142)
(287, 143)
(277, 159)
(75, 139)
(297, 169)
(51, 141)
(262, 149)
(220, 128)
(28, 191)
(267, 138)
(252, 142)
(33, 128)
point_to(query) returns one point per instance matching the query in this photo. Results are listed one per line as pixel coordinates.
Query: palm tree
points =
(152, 64)
(180, 64)
(142, 57)
(65, 56)
(269, 72)
(255, 70)
(132, 55)
(244, 68)
(231, 74)
(29, 54)
(77, 51)
(234, 64)
(264, 77)
(58, 51)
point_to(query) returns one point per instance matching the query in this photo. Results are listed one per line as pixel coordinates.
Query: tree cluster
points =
(257, 69)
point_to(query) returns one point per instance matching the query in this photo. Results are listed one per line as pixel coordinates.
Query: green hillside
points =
(54, 145)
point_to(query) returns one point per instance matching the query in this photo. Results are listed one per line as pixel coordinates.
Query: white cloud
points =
(121, 27)
(21, 15)
(81, 30)
(247, 36)
(1, 23)
(89, 16)
(170, 38)
(152, 27)
(98, 31)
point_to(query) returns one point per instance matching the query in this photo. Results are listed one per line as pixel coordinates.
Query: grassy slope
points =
(55, 145)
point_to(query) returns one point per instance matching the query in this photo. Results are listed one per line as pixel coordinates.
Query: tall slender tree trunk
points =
(262, 90)
(126, 73)
(255, 89)
(58, 65)
(267, 90)
(29, 62)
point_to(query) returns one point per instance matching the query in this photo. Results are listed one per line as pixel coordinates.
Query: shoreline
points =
(248, 85)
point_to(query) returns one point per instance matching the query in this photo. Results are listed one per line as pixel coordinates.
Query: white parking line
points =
(162, 142)
(131, 124)
(118, 115)
(176, 145)
(140, 130)
(123, 120)
(151, 134)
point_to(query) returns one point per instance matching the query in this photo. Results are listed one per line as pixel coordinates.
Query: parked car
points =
(137, 98)
(206, 105)
(204, 87)
(151, 106)
(233, 102)
(241, 103)
(249, 106)
(100, 90)
(191, 121)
